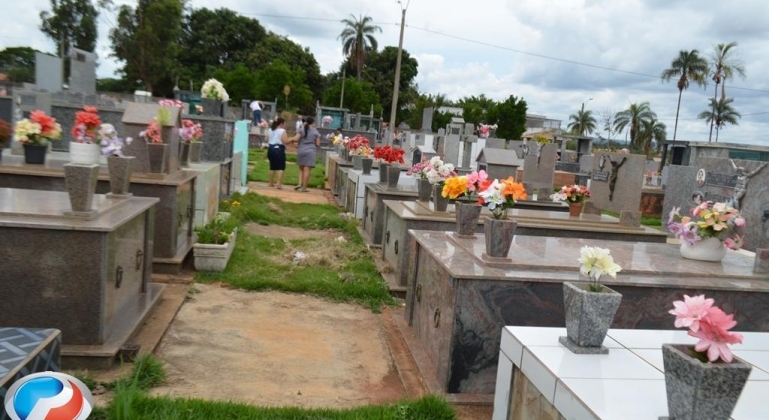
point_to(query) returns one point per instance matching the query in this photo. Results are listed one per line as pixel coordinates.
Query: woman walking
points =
(276, 151)
(305, 155)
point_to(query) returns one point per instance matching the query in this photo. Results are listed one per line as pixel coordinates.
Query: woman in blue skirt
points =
(276, 151)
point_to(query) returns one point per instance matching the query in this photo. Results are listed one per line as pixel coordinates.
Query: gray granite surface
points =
(617, 189)
(539, 169)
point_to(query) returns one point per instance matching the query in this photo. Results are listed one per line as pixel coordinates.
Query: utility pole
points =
(344, 76)
(396, 85)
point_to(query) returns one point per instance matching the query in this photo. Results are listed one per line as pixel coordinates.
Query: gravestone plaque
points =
(495, 143)
(617, 180)
(539, 168)
(82, 72)
(427, 120)
(135, 120)
(48, 73)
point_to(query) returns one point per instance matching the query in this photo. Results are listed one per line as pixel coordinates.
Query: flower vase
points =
(499, 234)
(708, 249)
(157, 156)
(184, 154)
(383, 172)
(195, 148)
(84, 153)
(348, 156)
(440, 202)
(35, 154)
(575, 209)
(81, 181)
(367, 163)
(588, 317)
(357, 162)
(467, 219)
(120, 168)
(700, 390)
(393, 174)
(424, 189)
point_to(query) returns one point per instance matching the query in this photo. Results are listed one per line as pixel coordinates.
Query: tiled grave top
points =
(547, 259)
(17, 345)
(629, 382)
(45, 210)
(54, 167)
(402, 190)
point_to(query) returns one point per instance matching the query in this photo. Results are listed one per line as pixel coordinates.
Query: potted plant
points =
(437, 174)
(119, 166)
(500, 197)
(157, 151)
(366, 162)
(359, 147)
(192, 133)
(34, 133)
(5, 134)
(463, 190)
(424, 188)
(326, 121)
(390, 156)
(590, 307)
(85, 148)
(575, 196)
(379, 153)
(216, 240)
(213, 96)
(703, 381)
(713, 228)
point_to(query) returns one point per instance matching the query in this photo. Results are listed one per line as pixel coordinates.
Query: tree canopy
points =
(71, 23)
(18, 63)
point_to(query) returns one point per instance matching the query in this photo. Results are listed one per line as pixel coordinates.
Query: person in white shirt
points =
(299, 124)
(276, 151)
(256, 107)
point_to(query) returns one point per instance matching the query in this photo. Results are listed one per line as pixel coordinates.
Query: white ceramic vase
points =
(84, 153)
(709, 249)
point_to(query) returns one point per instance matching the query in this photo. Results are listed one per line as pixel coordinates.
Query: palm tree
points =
(649, 130)
(688, 66)
(725, 66)
(632, 118)
(357, 37)
(582, 122)
(720, 113)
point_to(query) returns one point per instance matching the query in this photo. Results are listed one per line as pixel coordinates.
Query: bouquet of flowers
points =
(595, 262)
(420, 169)
(711, 220)
(572, 194)
(364, 151)
(38, 129)
(327, 120)
(111, 144)
(464, 187)
(500, 196)
(190, 131)
(439, 170)
(343, 141)
(708, 323)
(152, 133)
(214, 89)
(171, 102)
(389, 154)
(357, 142)
(86, 123)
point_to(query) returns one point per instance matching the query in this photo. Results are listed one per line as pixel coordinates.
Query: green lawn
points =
(652, 222)
(260, 173)
(340, 271)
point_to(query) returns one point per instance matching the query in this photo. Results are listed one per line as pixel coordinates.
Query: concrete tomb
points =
(499, 163)
(374, 210)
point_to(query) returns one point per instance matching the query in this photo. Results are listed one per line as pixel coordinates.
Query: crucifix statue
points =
(741, 187)
(613, 178)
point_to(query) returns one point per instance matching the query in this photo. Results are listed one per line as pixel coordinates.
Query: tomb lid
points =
(492, 156)
(424, 148)
(142, 114)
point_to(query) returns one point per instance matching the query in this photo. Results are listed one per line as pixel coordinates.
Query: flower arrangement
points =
(364, 151)
(595, 262)
(111, 144)
(389, 154)
(420, 169)
(86, 123)
(342, 141)
(439, 170)
(500, 196)
(708, 323)
(191, 132)
(152, 133)
(464, 187)
(572, 194)
(357, 142)
(38, 129)
(214, 89)
(171, 102)
(327, 120)
(713, 220)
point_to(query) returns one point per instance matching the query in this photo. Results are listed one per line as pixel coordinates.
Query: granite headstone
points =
(539, 169)
(616, 181)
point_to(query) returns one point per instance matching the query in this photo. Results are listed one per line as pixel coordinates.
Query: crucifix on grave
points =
(743, 177)
(616, 184)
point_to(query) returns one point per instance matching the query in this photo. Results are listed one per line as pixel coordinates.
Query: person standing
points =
(305, 155)
(299, 124)
(276, 152)
(256, 107)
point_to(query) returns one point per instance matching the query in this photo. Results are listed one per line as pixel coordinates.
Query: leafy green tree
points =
(146, 39)
(633, 118)
(275, 47)
(721, 112)
(71, 23)
(441, 120)
(271, 80)
(358, 96)
(510, 117)
(476, 109)
(725, 66)
(357, 39)
(116, 85)
(651, 129)
(688, 66)
(423, 101)
(582, 123)
(18, 63)
(239, 82)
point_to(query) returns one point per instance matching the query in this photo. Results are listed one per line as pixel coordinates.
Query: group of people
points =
(306, 137)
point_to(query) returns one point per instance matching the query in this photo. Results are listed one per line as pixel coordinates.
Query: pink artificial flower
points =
(716, 340)
(476, 178)
(690, 311)
(729, 243)
(739, 221)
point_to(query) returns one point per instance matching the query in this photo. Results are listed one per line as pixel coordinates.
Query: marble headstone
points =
(82, 74)
(49, 74)
(135, 120)
(616, 181)
(495, 143)
(427, 120)
(539, 169)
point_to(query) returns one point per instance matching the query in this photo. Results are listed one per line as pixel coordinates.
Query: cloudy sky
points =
(528, 48)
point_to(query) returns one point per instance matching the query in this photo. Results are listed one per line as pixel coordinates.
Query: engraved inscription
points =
(721, 180)
(602, 176)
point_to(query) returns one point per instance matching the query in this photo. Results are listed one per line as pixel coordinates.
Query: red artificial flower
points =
(389, 154)
(47, 124)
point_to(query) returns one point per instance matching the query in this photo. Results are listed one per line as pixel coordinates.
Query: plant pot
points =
(393, 174)
(383, 172)
(35, 154)
(84, 153)
(184, 154)
(708, 249)
(120, 168)
(357, 162)
(157, 154)
(210, 257)
(499, 234)
(424, 189)
(195, 149)
(698, 390)
(575, 209)
(467, 218)
(588, 317)
(440, 202)
(81, 181)
(347, 155)
(367, 164)
(211, 107)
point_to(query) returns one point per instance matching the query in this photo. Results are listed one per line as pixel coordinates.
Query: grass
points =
(261, 171)
(339, 271)
(649, 221)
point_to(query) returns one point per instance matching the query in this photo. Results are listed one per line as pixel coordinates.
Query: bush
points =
(218, 231)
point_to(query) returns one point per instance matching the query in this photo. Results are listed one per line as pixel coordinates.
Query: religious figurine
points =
(613, 179)
(741, 187)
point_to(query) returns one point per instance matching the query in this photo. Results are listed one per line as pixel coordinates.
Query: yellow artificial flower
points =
(454, 187)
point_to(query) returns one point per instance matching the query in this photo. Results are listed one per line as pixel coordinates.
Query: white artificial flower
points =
(595, 261)
(492, 196)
